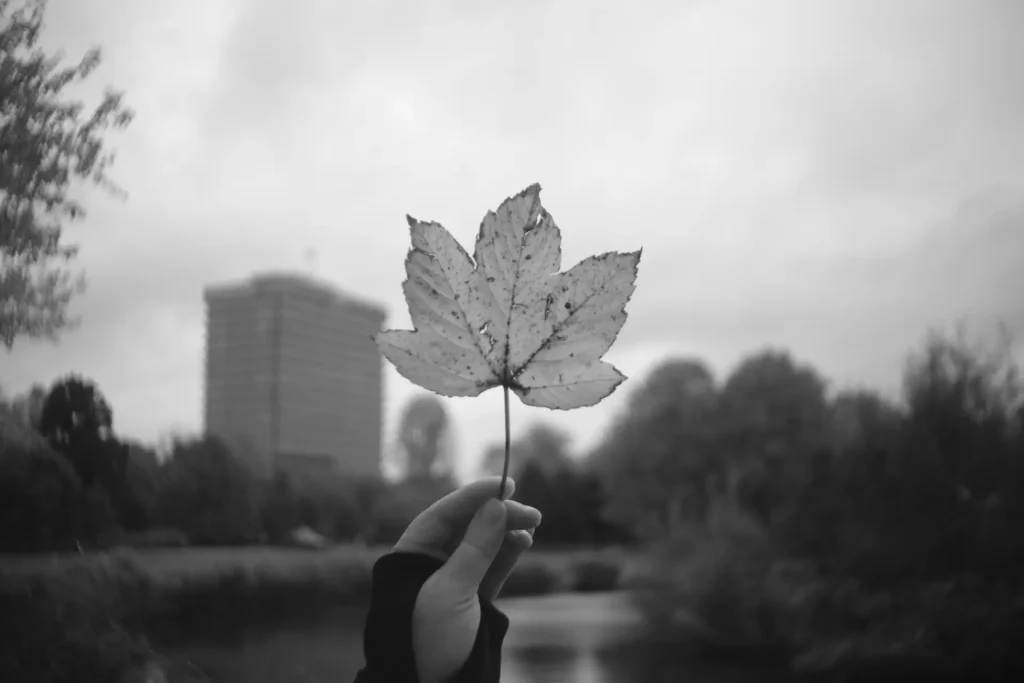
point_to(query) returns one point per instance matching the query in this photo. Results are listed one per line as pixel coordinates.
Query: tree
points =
(661, 452)
(423, 433)
(930, 489)
(78, 422)
(142, 478)
(41, 499)
(43, 505)
(861, 419)
(401, 503)
(46, 145)
(16, 430)
(546, 446)
(208, 493)
(775, 420)
(29, 406)
(329, 504)
(961, 452)
(541, 444)
(279, 510)
(568, 493)
(775, 406)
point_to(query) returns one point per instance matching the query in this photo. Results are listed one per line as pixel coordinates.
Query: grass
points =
(183, 563)
(567, 570)
(190, 591)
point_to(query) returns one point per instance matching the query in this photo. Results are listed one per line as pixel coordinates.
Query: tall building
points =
(293, 377)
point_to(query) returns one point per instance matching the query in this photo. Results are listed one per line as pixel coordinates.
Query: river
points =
(576, 638)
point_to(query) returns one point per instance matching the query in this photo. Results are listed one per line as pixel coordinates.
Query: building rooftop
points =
(294, 282)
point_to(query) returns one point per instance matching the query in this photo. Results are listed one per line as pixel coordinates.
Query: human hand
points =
(479, 538)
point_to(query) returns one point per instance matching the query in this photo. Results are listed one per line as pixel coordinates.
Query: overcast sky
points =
(832, 177)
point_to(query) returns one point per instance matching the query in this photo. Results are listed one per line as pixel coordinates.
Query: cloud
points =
(832, 177)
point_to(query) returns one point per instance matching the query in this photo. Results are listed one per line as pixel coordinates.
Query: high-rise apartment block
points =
(293, 377)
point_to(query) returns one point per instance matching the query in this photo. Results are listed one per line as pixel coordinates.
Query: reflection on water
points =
(565, 639)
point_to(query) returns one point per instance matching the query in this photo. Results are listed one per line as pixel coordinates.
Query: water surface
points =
(578, 638)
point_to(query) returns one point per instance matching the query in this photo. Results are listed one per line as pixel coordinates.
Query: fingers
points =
(521, 516)
(516, 543)
(461, 504)
(437, 530)
(468, 565)
(428, 536)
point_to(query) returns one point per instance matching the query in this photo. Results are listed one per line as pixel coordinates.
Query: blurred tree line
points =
(884, 488)
(832, 525)
(778, 511)
(68, 481)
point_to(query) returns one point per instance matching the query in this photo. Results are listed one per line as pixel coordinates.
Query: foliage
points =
(596, 574)
(46, 145)
(531, 578)
(141, 487)
(425, 437)
(656, 461)
(29, 407)
(41, 499)
(279, 509)
(780, 520)
(329, 505)
(71, 626)
(401, 503)
(78, 422)
(256, 593)
(15, 429)
(856, 528)
(208, 494)
(569, 495)
(507, 317)
(74, 408)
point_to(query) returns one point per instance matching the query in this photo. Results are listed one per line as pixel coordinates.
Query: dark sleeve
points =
(387, 639)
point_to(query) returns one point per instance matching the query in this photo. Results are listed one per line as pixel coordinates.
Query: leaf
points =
(507, 316)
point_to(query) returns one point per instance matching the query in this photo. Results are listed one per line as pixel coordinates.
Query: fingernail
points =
(493, 511)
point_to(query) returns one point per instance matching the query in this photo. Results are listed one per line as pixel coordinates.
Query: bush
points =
(72, 623)
(42, 500)
(156, 538)
(532, 576)
(594, 574)
(252, 595)
(719, 580)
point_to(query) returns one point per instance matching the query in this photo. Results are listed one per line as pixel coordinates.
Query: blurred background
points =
(816, 465)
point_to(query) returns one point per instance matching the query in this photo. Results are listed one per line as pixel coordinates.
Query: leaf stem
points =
(508, 447)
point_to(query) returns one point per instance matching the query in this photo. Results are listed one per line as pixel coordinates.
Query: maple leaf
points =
(507, 317)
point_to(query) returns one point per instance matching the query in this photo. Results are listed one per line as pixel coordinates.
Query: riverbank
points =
(839, 628)
(114, 614)
(104, 612)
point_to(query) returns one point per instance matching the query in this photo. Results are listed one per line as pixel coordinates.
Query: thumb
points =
(468, 565)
